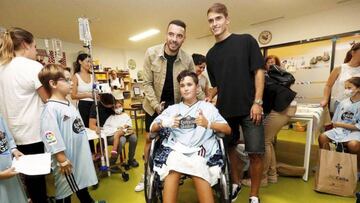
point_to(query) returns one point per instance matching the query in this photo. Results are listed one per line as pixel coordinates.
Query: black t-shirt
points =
(231, 66)
(167, 94)
(104, 113)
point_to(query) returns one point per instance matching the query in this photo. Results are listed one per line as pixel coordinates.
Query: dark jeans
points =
(84, 110)
(148, 120)
(35, 185)
(253, 134)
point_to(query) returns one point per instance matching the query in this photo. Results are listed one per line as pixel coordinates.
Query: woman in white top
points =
(21, 99)
(83, 86)
(200, 65)
(335, 82)
(82, 89)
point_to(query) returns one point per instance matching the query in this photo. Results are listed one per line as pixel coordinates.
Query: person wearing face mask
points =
(335, 83)
(105, 105)
(346, 121)
(120, 126)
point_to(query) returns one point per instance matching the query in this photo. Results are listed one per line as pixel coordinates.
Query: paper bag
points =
(337, 173)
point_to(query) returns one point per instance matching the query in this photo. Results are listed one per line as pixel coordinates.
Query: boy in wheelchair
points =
(190, 146)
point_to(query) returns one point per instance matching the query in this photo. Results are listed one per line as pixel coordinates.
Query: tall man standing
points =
(235, 67)
(161, 66)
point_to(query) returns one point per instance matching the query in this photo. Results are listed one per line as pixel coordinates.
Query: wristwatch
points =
(258, 102)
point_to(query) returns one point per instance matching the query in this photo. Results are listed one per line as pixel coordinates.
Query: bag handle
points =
(336, 144)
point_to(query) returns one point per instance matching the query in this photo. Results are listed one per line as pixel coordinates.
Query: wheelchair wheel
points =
(152, 190)
(224, 189)
(224, 186)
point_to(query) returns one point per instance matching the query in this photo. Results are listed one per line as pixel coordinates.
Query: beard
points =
(173, 46)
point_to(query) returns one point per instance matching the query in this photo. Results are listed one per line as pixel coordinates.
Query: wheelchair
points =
(154, 187)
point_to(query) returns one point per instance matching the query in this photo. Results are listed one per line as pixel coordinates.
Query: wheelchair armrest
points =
(220, 135)
(153, 135)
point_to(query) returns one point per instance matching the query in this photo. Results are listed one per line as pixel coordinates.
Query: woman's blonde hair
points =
(11, 40)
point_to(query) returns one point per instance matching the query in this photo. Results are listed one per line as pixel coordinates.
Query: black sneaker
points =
(235, 192)
(133, 163)
(254, 199)
(115, 169)
(112, 161)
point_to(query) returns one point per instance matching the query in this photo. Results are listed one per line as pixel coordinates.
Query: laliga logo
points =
(338, 167)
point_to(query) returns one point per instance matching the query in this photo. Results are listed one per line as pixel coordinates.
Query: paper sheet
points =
(34, 164)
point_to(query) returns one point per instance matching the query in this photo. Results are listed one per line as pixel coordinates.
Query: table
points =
(312, 114)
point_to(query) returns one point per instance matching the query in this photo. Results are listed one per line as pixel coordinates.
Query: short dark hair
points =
(198, 59)
(218, 8)
(355, 81)
(107, 99)
(50, 72)
(178, 23)
(185, 73)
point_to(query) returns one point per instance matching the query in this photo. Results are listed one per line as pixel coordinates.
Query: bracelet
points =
(209, 125)
(65, 163)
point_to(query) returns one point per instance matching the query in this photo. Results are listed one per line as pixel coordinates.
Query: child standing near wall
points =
(63, 133)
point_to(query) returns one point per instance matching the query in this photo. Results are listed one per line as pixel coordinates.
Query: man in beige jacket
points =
(161, 66)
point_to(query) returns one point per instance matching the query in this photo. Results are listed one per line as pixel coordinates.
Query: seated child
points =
(10, 186)
(190, 146)
(63, 133)
(120, 125)
(346, 121)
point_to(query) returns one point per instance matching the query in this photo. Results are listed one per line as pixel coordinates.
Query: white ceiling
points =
(113, 21)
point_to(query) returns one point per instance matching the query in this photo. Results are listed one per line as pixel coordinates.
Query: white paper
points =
(34, 164)
(91, 134)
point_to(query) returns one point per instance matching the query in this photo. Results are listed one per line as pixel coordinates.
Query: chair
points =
(153, 185)
(137, 113)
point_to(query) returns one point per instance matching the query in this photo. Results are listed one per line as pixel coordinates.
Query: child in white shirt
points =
(120, 126)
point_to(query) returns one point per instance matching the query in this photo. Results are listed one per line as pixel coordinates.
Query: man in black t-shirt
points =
(235, 67)
(162, 64)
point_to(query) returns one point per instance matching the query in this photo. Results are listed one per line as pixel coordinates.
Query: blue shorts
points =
(253, 134)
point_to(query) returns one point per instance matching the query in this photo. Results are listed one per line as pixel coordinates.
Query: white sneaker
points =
(140, 186)
(235, 192)
(254, 199)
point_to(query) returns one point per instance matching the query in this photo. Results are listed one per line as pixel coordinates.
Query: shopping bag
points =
(337, 173)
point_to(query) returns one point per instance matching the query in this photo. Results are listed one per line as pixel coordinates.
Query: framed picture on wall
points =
(136, 91)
